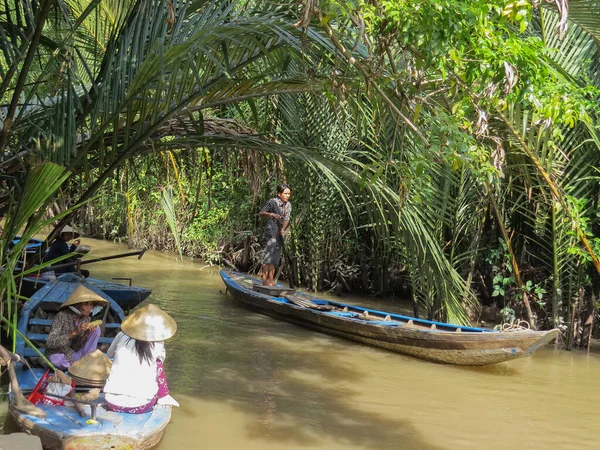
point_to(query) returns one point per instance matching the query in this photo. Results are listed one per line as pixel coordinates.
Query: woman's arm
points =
(269, 215)
(267, 211)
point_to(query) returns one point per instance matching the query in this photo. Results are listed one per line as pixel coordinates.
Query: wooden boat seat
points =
(48, 322)
(350, 315)
(305, 303)
(39, 337)
(275, 291)
(387, 323)
(31, 353)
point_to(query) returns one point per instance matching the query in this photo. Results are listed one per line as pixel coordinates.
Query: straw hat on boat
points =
(149, 323)
(93, 367)
(83, 295)
(70, 229)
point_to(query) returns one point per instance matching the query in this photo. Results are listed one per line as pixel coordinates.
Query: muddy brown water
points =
(247, 381)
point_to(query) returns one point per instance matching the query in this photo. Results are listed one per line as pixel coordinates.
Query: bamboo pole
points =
(79, 262)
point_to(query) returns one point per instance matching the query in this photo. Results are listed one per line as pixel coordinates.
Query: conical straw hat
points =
(149, 323)
(94, 366)
(82, 295)
(88, 383)
(70, 229)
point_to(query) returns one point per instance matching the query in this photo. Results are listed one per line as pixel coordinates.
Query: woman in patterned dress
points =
(71, 335)
(277, 211)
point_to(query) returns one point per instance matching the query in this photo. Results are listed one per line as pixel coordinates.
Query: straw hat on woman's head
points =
(70, 229)
(83, 295)
(149, 323)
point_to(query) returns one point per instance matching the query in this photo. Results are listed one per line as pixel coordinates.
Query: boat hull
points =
(62, 427)
(441, 343)
(55, 430)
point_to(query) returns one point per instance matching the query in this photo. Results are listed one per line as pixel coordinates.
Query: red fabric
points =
(37, 396)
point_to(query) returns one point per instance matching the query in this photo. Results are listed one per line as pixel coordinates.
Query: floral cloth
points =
(63, 324)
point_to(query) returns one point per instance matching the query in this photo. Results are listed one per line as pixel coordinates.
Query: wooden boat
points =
(63, 428)
(126, 295)
(428, 340)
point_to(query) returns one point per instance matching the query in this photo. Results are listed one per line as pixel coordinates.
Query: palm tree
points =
(432, 140)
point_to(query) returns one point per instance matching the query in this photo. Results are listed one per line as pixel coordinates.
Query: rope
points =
(514, 325)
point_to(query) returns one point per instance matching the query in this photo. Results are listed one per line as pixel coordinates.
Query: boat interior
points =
(351, 312)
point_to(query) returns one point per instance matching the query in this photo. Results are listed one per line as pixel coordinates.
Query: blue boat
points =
(34, 245)
(126, 295)
(63, 427)
(432, 341)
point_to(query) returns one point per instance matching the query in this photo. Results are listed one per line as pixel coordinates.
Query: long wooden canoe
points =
(428, 340)
(63, 428)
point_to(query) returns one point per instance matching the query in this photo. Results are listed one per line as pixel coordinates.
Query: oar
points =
(283, 252)
(289, 263)
(139, 254)
(293, 278)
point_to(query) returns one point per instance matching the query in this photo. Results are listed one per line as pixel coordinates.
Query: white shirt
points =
(130, 383)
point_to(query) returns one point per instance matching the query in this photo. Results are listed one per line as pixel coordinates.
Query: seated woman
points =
(137, 379)
(71, 336)
(60, 247)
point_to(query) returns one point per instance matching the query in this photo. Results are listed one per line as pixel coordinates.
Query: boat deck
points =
(64, 428)
(371, 316)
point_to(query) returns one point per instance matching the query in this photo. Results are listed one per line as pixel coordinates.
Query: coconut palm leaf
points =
(168, 204)
(25, 216)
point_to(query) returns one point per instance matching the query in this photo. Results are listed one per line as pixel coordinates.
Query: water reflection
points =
(249, 381)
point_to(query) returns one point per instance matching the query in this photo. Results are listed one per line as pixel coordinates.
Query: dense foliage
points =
(442, 149)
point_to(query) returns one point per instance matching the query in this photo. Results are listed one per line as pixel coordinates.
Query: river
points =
(252, 382)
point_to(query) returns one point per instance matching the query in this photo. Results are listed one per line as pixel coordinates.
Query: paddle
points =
(78, 262)
(289, 263)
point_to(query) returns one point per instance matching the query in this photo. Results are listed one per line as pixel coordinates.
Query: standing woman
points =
(137, 379)
(71, 335)
(277, 211)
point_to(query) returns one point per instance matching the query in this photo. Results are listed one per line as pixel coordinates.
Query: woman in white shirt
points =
(137, 379)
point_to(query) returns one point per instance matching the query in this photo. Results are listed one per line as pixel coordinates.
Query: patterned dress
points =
(63, 324)
(272, 239)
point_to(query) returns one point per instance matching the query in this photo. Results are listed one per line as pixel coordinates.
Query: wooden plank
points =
(275, 291)
(48, 323)
(305, 303)
(40, 337)
(54, 293)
